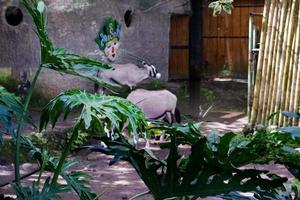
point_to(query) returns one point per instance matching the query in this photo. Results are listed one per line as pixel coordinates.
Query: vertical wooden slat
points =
(244, 32)
(179, 47)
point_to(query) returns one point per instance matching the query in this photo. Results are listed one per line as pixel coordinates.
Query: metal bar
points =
(240, 5)
(250, 44)
(255, 50)
(256, 14)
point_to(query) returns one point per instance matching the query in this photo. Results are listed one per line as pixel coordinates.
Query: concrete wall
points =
(74, 24)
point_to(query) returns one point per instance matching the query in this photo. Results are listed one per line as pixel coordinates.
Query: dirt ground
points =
(120, 182)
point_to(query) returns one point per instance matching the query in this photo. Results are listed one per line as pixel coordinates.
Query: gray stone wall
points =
(74, 24)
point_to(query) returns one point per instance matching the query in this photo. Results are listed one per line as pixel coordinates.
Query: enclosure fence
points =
(277, 82)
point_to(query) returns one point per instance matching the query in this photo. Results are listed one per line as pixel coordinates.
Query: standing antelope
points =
(129, 74)
(157, 104)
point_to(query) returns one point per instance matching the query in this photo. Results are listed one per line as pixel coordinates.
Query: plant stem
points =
(25, 176)
(41, 172)
(65, 153)
(139, 195)
(20, 124)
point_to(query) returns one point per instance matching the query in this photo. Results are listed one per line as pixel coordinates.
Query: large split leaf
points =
(96, 111)
(212, 168)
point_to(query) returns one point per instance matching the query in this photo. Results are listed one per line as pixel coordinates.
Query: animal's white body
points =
(129, 74)
(159, 104)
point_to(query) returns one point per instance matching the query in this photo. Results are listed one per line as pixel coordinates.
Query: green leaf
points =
(227, 9)
(10, 108)
(94, 108)
(41, 7)
(238, 142)
(293, 131)
(291, 114)
(217, 10)
(213, 4)
(48, 192)
(79, 182)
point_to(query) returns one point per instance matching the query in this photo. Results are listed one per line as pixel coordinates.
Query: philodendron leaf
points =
(294, 131)
(238, 142)
(291, 114)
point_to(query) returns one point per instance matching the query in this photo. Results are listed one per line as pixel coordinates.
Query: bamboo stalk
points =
(268, 59)
(280, 38)
(290, 37)
(297, 84)
(281, 63)
(288, 98)
(260, 63)
(290, 84)
(273, 64)
(293, 65)
(260, 114)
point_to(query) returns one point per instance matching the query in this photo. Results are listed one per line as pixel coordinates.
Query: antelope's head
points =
(152, 70)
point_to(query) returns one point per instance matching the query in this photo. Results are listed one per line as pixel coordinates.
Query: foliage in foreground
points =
(213, 167)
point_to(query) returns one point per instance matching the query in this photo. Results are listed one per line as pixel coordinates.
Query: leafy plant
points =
(220, 5)
(48, 192)
(213, 166)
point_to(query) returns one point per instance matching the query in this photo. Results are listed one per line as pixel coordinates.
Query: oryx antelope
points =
(157, 104)
(129, 74)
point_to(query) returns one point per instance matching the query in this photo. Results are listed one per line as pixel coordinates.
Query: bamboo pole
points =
(273, 64)
(289, 95)
(268, 59)
(280, 38)
(260, 63)
(281, 63)
(264, 76)
(290, 36)
(289, 104)
(297, 82)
